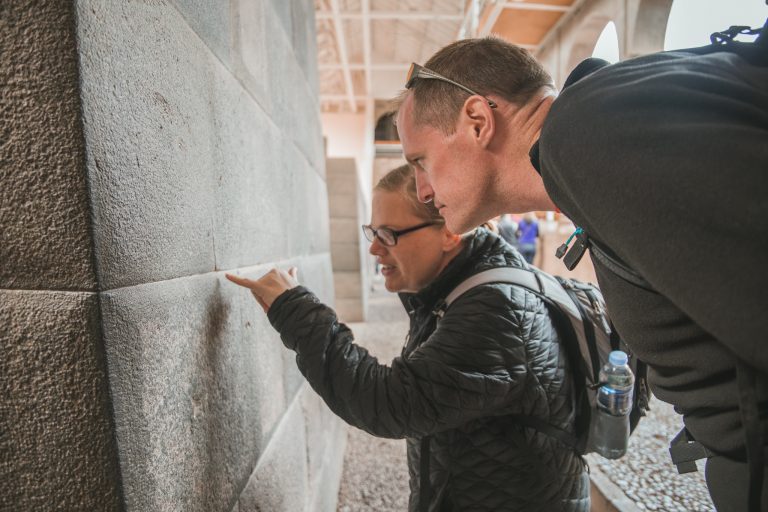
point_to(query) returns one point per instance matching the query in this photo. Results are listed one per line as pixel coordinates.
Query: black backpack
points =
(578, 312)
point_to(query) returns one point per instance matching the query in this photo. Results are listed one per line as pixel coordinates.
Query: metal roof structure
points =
(366, 46)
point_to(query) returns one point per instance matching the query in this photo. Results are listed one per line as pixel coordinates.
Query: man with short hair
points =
(662, 161)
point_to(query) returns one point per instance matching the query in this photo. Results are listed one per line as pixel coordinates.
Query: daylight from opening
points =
(607, 46)
(692, 21)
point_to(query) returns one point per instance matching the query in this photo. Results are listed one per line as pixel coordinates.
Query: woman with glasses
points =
(492, 354)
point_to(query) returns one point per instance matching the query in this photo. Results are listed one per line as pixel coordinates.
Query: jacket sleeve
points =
(473, 365)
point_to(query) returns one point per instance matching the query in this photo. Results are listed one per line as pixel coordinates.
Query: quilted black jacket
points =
(495, 352)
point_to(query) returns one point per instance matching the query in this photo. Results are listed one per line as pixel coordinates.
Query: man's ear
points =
(450, 241)
(477, 117)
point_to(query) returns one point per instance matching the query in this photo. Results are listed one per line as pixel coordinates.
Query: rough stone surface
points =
(44, 214)
(279, 483)
(212, 22)
(197, 385)
(57, 451)
(264, 47)
(305, 41)
(194, 146)
(326, 436)
(151, 140)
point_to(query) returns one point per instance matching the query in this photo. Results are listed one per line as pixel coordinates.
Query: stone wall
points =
(146, 148)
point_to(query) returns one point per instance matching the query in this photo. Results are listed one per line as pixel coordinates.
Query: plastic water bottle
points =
(614, 403)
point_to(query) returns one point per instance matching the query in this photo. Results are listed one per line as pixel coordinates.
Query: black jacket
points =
(495, 352)
(663, 159)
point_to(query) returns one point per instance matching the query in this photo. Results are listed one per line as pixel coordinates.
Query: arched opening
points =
(386, 131)
(691, 21)
(607, 45)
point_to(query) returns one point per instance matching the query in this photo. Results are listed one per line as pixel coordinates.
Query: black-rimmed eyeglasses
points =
(418, 71)
(389, 236)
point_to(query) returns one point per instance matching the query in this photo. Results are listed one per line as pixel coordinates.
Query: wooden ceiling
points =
(366, 46)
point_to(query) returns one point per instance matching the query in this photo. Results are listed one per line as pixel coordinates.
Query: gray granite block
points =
(212, 22)
(45, 240)
(151, 90)
(305, 40)
(326, 440)
(56, 435)
(197, 381)
(279, 482)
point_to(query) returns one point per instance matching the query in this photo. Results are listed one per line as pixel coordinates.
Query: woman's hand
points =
(270, 286)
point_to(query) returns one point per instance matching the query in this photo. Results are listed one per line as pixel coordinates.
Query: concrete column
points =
(348, 247)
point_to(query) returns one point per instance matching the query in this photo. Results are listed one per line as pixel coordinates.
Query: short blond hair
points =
(403, 180)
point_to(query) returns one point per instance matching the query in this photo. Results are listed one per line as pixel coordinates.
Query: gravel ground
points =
(646, 473)
(375, 476)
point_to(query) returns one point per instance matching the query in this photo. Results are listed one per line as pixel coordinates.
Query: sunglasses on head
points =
(418, 71)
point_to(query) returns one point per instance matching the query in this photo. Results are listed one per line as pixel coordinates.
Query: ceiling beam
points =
(392, 15)
(388, 66)
(365, 6)
(536, 7)
(338, 28)
(552, 34)
(490, 20)
(340, 97)
(468, 27)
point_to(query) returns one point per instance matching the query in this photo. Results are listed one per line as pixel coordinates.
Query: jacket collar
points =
(477, 247)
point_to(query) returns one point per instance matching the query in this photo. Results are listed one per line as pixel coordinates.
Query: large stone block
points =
(197, 381)
(305, 41)
(345, 256)
(345, 231)
(212, 21)
(44, 240)
(255, 199)
(309, 219)
(57, 444)
(279, 483)
(282, 10)
(273, 74)
(150, 90)
(342, 176)
(250, 53)
(326, 442)
(348, 284)
(342, 205)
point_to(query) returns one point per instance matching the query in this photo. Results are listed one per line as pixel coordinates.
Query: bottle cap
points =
(617, 358)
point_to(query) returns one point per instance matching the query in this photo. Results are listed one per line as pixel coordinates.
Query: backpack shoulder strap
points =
(534, 280)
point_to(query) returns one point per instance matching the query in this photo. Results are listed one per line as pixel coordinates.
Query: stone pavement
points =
(375, 475)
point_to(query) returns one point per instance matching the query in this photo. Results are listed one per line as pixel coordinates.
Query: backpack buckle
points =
(685, 451)
(727, 36)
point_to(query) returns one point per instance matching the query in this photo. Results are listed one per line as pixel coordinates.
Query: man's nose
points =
(423, 189)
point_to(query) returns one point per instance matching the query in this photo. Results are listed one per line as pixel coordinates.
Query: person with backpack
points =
(644, 156)
(469, 374)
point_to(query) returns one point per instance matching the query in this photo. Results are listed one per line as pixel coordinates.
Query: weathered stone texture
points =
(57, 451)
(44, 240)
